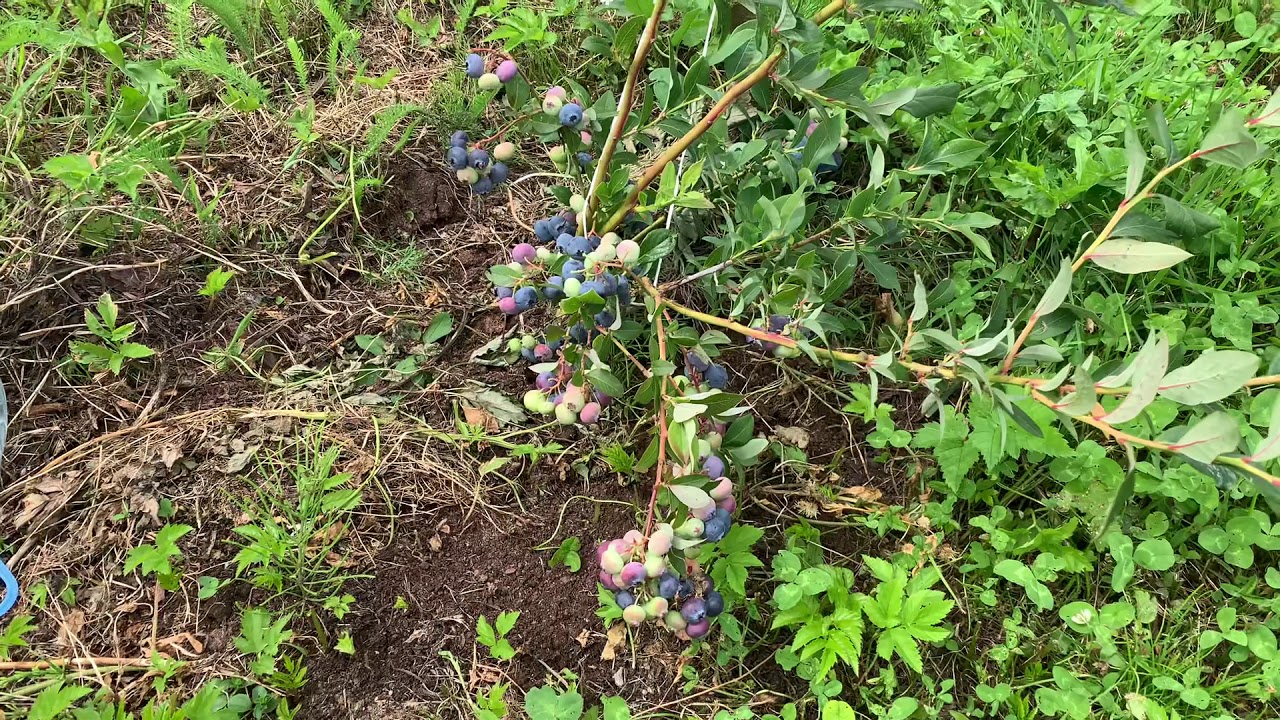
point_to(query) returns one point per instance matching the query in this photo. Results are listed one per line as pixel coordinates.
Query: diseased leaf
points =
(1145, 374)
(1130, 257)
(1212, 436)
(1211, 377)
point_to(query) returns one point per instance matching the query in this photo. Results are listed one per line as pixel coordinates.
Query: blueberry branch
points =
(673, 151)
(624, 110)
(660, 468)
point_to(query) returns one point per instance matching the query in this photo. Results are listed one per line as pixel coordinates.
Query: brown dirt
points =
(417, 199)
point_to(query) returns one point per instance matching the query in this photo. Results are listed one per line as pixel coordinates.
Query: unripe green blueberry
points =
(654, 565)
(612, 562)
(516, 266)
(612, 238)
(606, 252)
(547, 407)
(844, 143)
(551, 105)
(577, 203)
(674, 621)
(782, 351)
(564, 415)
(543, 253)
(692, 528)
(533, 400)
(714, 439)
(628, 251)
(558, 154)
(489, 81)
(468, 175)
(656, 607)
(513, 345)
(528, 342)
(703, 448)
(572, 287)
(504, 151)
(634, 615)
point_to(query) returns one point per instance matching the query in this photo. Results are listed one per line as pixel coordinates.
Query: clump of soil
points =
(417, 199)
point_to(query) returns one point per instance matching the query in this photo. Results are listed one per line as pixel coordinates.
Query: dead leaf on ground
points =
(497, 404)
(614, 640)
(48, 496)
(178, 641)
(862, 493)
(170, 454)
(796, 436)
(584, 637)
(69, 629)
(479, 417)
(239, 460)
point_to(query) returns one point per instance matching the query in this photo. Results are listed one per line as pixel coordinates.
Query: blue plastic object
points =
(6, 575)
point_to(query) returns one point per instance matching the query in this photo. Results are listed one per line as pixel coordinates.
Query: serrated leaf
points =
(1130, 257)
(1212, 376)
(1146, 372)
(1212, 436)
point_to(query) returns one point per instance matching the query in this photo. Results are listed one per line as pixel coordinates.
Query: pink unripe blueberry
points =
(619, 546)
(612, 562)
(586, 137)
(607, 581)
(590, 413)
(809, 130)
(660, 542)
(628, 251)
(633, 537)
(557, 91)
(633, 573)
(729, 505)
(698, 629)
(656, 607)
(507, 70)
(634, 615)
(705, 512)
(504, 151)
(508, 305)
(524, 253)
(722, 490)
(600, 549)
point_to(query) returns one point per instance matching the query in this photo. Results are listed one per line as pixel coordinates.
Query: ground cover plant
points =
(642, 359)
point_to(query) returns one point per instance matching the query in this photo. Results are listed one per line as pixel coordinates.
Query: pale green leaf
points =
(1214, 435)
(1212, 376)
(1128, 256)
(1147, 370)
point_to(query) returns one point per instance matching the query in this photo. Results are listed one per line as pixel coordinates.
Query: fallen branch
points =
(97, 663)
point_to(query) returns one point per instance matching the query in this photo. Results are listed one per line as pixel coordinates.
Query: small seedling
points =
(339, 605)
(567, 555)
(115, 350)
(216, 282)
(346, 645)
(494, 636)
(158, 559)
(262, 637)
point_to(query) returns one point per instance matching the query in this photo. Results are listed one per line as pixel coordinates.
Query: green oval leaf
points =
(1130, 257)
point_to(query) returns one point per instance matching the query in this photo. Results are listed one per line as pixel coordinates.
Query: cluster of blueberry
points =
(777, 325)
(566, 400)
(476, 167)
(571, 115)
(703, 373)
(504, 73)
(646, 587)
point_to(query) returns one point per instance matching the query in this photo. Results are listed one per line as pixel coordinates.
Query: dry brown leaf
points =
(862, 493)
(170, 454)
(69, 629)
(479, 417)
(435, 543)
(584, 637)
(614, 640)
(796, 436)
(32, 504)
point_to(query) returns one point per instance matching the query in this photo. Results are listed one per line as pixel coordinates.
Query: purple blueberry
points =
(508, 306)
(459, 139)
(571, 114)
(713, 467)
(698, 629)
(715, 603)
(524, 253)
(475, 66)
(607, 581)
(507, 70)
(545, 381)
(499, 172)
(634, 573)
(696, 362)
(693, 609)
(457, 157)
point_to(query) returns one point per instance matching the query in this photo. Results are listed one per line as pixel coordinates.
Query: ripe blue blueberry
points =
(554, 289)
(696, 362)
(458, 139)
(604, 319)
(498, 173)
(482, 187)
(624, 599)
(503, 292)
(686, 588)
(585, 159)
(478, 159)
(526, 297)
(715, 529)
(716, 376)
(571, 114)
(573, 269)
(544, 230)
(713, 467)
(457, 157)
(693, 609)
(668, 586)
(714, 602)
(475, 66)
